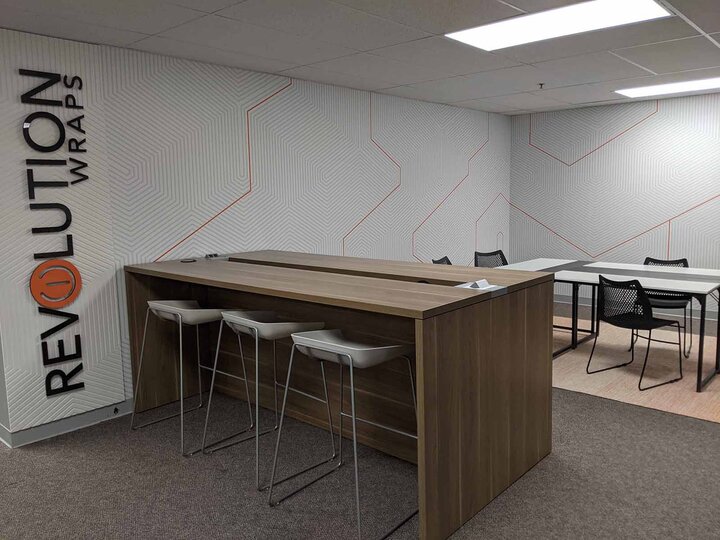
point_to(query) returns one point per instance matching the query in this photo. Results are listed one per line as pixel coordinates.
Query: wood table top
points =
(437, 274)
(389, 296)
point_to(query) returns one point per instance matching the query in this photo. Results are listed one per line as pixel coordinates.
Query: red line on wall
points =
(657, 108)
(487, 139)
(393, 190)
(595, 256)
(250, 175)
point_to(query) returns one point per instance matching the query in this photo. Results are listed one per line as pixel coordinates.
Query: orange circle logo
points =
(55, 283)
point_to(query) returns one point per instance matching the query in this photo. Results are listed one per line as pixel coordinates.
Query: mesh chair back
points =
(677, 263)
(624, 303)
(443, 260)
(492, 259)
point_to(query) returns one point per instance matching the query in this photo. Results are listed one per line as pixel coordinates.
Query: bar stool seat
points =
(333, 346)
(189, 311)
(269, 326)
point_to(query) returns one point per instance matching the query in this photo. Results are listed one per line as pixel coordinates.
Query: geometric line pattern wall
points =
(190, 158)
(647, 182)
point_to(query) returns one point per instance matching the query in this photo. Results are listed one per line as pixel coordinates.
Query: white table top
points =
(671, 285)
(537, 265)
(693, 284)
(649, 268)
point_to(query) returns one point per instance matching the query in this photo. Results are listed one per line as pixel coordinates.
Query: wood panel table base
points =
(483, 374)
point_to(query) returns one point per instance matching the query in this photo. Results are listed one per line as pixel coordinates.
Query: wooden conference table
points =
(483, 360)
(696, 282)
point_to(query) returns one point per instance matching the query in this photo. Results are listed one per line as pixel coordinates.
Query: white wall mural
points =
(185, 158)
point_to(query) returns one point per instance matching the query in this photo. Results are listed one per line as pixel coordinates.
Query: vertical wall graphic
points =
(186, 158)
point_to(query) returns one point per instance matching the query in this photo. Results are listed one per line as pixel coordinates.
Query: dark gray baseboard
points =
(65, 425)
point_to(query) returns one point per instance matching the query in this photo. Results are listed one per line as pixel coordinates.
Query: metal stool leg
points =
(275, 383)
(355, 450)
(212, 386)
(279, 434)
(197, 342)
(329, 413)
(137, 386)
(137, 381)
(182, 389)
(340, 432)
(273, 482)
(257, 408)
(223, 443)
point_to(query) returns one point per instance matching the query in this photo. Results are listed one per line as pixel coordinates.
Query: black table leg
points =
(700, 382)
(592, 310)
(575, 301)
(717, 342)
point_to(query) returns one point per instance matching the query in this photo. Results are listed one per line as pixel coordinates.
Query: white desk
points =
(697, 282)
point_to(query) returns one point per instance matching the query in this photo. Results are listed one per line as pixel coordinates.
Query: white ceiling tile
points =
(678, 55)
(228, 34)
(605, 91)
(525, 101)
(403, 91)
(147, 17)
(587, 68)
(324, 20)
(202, 53)
(482, 105)
(601, 40)
(479, 85)
(586, 93)
(436, 16)
(505, 81)
(704, 13)
(51, 25)
(447, 57)
(533, 6)
(442, 91)
(370, 67)
(207, 6)
(310, 73)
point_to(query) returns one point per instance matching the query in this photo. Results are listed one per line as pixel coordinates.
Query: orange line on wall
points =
(487, 139)
(595, 256)
(657, 108)
(399, 167)
(250, 175)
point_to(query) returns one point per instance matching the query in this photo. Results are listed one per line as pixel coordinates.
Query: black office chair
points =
(625, 304)
(492, 259)
(443, 260)
(673, 300)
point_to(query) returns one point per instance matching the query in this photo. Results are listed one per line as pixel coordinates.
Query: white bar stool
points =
(269, 326)
(332, 346)
(184, 312)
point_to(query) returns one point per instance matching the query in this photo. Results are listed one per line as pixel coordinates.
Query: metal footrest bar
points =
(382, 426)
(168, 417)
(221, 372)
(400, 524)
(306, 485)
(291, 389)
(217, 445)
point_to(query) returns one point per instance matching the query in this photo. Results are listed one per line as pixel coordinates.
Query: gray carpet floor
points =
(616, 471)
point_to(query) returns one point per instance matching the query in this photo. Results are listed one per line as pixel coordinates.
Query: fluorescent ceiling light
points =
(563, 21)
(671, 88)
